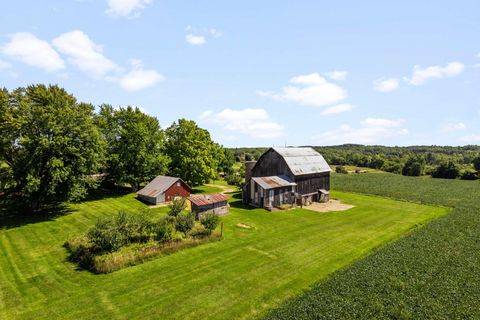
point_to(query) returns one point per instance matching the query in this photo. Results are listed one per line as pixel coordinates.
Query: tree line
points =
(55, 149)
(437, 161)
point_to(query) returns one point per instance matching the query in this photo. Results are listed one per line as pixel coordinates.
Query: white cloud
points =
(252, 122)
(337, 75)
(422, 75)
(27, 48)
(454, 126)
(370, 131)
(215, 33)
(309, 89)
(339, 108)
(139, 78)
(126, 8)
(380, 122)
(195, 40)
(5, 64)
(199, 36)
(386, 85)
(82, 52)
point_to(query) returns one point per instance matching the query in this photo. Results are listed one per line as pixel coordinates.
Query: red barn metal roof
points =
(207, 199)
(159, 185)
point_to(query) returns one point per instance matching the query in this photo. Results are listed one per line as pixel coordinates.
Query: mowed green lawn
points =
(242, 276)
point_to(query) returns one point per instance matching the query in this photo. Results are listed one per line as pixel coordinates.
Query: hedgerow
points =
(432, 273)
(127, 239)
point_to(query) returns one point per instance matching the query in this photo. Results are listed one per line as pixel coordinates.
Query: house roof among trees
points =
(159, 185)
(303, 160)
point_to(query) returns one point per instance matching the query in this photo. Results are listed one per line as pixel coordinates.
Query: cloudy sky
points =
(262, 73)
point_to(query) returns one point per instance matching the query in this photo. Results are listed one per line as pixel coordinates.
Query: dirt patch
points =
(244, 226)
(332, 205)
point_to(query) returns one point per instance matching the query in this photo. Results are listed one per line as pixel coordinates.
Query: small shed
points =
(272, 191)
(164, 189)
(209, 203)
(324, 195)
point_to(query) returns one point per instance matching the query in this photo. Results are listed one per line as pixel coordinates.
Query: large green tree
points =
(192, 152)
(414, 166)
(135, 145)
(476, 163)
(50, 144)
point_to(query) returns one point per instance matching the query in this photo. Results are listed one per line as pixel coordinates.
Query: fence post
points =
(221, 229)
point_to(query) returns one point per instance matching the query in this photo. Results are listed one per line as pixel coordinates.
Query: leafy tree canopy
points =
(414, 166)
(135, 145)
(192, 152)
(446, 170)
(50, 144)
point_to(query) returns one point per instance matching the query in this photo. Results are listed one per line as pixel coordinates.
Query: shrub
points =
(392, 166)
(177, 206)
(105, 236)
(341, 169)
(446, 170)
(185, 222)
(164, 230)
(234, 179)
(210, 221)
(414, 166)
(81, 251)
(469, 175)
(476, 163)
(199, 231)
(110, 234)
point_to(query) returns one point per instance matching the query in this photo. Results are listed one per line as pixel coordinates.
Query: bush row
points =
(137, 237)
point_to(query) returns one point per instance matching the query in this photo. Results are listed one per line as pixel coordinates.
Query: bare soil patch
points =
(244, 226)
(332, 205)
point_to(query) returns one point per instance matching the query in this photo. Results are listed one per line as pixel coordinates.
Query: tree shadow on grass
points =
(107, 192)
(237, 202)
(14, 214)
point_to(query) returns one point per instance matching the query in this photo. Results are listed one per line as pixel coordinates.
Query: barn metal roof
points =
(157, 186)
(207, 199)
(303, 160)
(273, 182)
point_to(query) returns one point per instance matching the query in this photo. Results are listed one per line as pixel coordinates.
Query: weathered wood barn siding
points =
(310, 174)
(216, 203)
(312, 183)
(271, 163)
(219, 209)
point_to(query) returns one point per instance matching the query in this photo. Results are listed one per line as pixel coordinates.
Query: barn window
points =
(178, 184)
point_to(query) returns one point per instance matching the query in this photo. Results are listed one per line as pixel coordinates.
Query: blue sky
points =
(262, 73)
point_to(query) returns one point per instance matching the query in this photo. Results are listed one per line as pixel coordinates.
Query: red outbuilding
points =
(164, 189)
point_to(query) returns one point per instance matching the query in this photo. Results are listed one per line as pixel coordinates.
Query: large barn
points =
(286, 176)
(164, 189)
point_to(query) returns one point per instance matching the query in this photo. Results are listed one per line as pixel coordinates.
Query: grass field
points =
(433, 273)
(242, 276)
